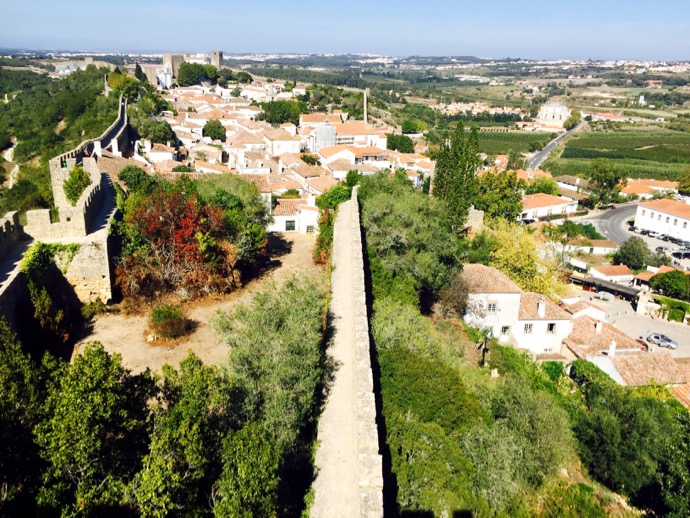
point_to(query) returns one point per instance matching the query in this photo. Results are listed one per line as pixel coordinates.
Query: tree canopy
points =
(214, 129)
(605, 182)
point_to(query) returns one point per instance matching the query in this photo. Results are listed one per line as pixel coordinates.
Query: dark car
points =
(662, 249)
(528, 221)
(681, 254)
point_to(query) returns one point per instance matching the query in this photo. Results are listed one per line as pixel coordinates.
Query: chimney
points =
(612, 349)
(599, 326)
(541, 308)
(577, 181)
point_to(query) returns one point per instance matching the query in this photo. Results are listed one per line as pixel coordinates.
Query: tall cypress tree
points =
(455, 178)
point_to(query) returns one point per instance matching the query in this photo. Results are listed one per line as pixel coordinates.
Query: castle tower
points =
(217, 58)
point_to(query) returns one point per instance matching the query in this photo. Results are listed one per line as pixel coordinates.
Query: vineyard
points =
(501, 142)
(660, 155)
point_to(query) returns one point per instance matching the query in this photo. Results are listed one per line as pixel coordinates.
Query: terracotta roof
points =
(539, 200)
(595, 243)
(322, 183)
(260, 180)
(648, 368)
(682, 392)
(676, 208)
(162, 147)
(319, 118)
(584, 339)
(636, 189)
(329, 151)
(529, 308)
(287, 207)
(309, 171)
(290, 158)
(572, 180)
(244, 137)
(220, 168)
(355, 128)
(612, 270)
(361, 152)
(659, 184)
(279, 135)
(578, 306)
(484, 279)
(341, 164)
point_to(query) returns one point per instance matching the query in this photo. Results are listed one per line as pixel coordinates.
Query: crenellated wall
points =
(11, 233)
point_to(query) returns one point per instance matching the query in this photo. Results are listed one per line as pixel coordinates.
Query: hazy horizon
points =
(500, 29)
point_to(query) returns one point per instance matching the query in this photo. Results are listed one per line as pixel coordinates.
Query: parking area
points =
(621, 314)
(653, 243)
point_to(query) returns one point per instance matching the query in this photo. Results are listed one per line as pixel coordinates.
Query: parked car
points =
(662, 249)
(528, 221)
(664, 237)
(662, 341)
(681, 254)
(653, 234)
(644, 232)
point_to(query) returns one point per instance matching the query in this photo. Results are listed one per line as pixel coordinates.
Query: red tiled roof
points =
(529, 308)
(676, 208)
(484, 279)
(539, 200)
(648, 368)
(618, 270)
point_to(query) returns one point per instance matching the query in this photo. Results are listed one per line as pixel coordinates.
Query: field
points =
(501, 142)
(650, 154)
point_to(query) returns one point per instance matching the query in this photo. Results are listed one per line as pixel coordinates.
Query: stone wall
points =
(74, 221)
(10, 233)
(13, 295)
(89, 272)
(369, 461)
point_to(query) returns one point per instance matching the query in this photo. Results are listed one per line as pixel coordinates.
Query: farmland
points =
(501, 142)
(649, 154)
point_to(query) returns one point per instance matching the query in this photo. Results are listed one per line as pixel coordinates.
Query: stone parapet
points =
(369, 460)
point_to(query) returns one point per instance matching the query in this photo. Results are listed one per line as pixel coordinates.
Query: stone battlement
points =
(10, 232)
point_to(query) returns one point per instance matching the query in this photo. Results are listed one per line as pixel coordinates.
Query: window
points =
(551, 329)
(659, 217)
(668, 219)
(310, 229)
(685, 224)
(491, 307)
(505, 330)
(643, 212)
(289, 225)
(675, 222)
(528, 329)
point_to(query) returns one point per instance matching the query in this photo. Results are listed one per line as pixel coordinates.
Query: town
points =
(343, 285)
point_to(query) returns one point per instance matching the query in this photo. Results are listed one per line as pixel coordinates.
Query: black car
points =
(681, 254)
(644, 232)
(662, 249)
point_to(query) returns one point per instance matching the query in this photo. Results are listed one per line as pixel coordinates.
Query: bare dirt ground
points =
(126, 334)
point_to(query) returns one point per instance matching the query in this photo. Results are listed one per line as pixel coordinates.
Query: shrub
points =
(168, 321)
(75, 185)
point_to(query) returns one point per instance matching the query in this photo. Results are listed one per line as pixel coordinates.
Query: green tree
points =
(136, 179)
(516, 160)
(401, 143)
(634, 253)
(214, 129)
(542, 184)
(455, 179)
(76, 183)
(184, 457)
(280, 112)
(684, 180)
(23, 394)
(605, 182)
(139, 74)
(156, 130)
(500, 195)
(413, 126)
(673, 284)
(249, 483)
(95, 433)
(195, 73)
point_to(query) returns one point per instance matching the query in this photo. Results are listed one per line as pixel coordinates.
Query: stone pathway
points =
(335, 487)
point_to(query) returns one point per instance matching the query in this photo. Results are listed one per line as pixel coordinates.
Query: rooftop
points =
(529, 308)
(646, 368)
(613, 270)
(673, 207)
(539, 200)
(484, 279)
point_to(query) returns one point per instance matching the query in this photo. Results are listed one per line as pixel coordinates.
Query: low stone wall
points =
(13, 295)
(369, 461)
(10, 232)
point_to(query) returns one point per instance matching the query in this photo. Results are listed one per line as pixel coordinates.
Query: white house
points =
(278, 141)
(527, 320)
(668, 217)
(295, 215)
(591, 246)
(620, 274)
(159, 152)
(540, 205)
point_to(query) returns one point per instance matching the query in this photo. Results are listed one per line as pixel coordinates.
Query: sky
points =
(536, 29)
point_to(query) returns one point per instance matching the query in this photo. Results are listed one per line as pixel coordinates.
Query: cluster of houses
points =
(308, 158)
(571, 329)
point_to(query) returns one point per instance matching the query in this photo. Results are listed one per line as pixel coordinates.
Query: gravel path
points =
(335, 487)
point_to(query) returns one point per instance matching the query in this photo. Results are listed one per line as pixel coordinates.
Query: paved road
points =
(534, 162)
(613, 223)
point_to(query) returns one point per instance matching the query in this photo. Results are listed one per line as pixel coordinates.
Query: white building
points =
(295, 215)
(540, 205)
(553, 114)
(529, 321)
(619, 273)
(668, 217)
